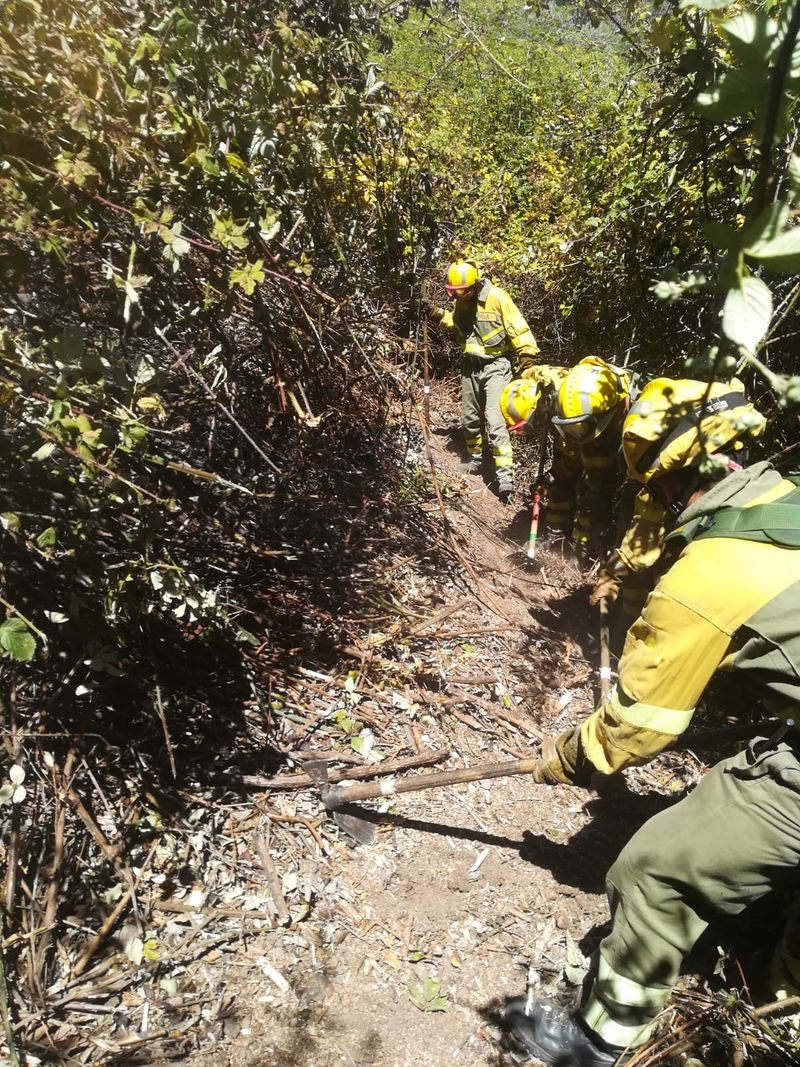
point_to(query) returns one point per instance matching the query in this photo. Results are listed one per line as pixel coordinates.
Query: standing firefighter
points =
(591, 406)
(494, 333)
(730, 600)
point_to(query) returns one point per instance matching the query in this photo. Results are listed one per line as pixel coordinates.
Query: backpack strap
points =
(776, 523)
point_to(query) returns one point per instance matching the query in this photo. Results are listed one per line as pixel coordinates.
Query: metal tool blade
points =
(359, 829)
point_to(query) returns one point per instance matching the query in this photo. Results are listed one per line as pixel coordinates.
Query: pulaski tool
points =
(337, 797)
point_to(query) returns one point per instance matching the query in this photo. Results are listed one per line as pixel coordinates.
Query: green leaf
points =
(793, 174)
(720, 235)
(9, 521)
(428, 996)
(47, 538)
(16, 640)
(781, 254)
(767, 225)
(269, 225)
(42, 453)
(735, 93)
(248, 276)
(228, 232)
(69, 346)
(751, 36)
(747, 312)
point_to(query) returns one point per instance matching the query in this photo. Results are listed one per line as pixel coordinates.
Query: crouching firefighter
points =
(591, 405)
(730, 600)
(494, 334)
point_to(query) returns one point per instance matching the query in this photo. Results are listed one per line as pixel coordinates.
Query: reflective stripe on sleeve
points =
(651, 717)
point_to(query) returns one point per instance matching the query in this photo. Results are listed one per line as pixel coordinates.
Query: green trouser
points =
(482, 382)
(731, 841)
(581, 498)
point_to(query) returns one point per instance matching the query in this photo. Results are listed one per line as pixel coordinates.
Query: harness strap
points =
(777, 522)
(726, 402)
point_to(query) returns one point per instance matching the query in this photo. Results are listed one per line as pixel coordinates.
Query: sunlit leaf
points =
(747, 312)
(781, 254)
(17, 640)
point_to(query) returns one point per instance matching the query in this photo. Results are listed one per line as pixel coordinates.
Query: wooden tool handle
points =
(605, 650)
(388, 787)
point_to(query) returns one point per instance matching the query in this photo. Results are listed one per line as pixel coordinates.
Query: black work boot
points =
(555, 1035)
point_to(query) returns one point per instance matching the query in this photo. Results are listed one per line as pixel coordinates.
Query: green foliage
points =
(427, 995)
(198, 204)
(551, 166)
(17, 640)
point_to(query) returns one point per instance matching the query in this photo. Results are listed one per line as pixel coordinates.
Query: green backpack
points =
(777, 523)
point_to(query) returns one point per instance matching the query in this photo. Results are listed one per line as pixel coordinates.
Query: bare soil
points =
(468, 887)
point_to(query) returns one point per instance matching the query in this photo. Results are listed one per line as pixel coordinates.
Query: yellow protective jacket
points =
(643, 541)
(725, 603)
(491, 326)
(600, 461)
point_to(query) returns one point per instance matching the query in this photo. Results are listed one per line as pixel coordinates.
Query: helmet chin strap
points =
(676, 507)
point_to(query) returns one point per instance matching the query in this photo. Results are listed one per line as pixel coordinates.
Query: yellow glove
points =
(609, 580)
(607, 586)
(555, 752)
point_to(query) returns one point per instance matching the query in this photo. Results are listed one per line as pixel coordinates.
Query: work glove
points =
(432, 308)
(608, 582)
(550, 769)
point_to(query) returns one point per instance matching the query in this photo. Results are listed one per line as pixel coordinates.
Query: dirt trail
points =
(468, 886)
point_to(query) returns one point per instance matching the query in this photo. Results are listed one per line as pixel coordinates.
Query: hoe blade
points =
(359, 829)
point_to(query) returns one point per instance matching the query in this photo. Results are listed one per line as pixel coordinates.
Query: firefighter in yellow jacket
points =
(494, 335)
(591, 405)
(730, 600)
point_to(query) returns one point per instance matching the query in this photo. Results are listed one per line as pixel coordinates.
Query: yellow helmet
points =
(462, 277)
(588, 399)
(518, 403)
(674, 423)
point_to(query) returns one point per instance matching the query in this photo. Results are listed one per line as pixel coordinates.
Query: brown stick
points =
(426, 382)
(777, 1007)
(178, 907)
(273, 881)
(725, 734)
(344, 794)
(89, 952)
(165, 729)
(58, 855)
(440, 616)
(372, 770)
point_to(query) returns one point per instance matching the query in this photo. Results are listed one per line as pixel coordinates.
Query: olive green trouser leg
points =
(727, 844)
(496, 376)
(562, 496)
(471, 408)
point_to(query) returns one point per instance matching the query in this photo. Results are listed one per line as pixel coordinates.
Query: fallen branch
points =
(273, 881)
(7, 1024)
(372, 770)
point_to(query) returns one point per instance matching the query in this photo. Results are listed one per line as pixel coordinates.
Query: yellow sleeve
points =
(643, 541)
(546, 377)
(670, 654)
(517, 330)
